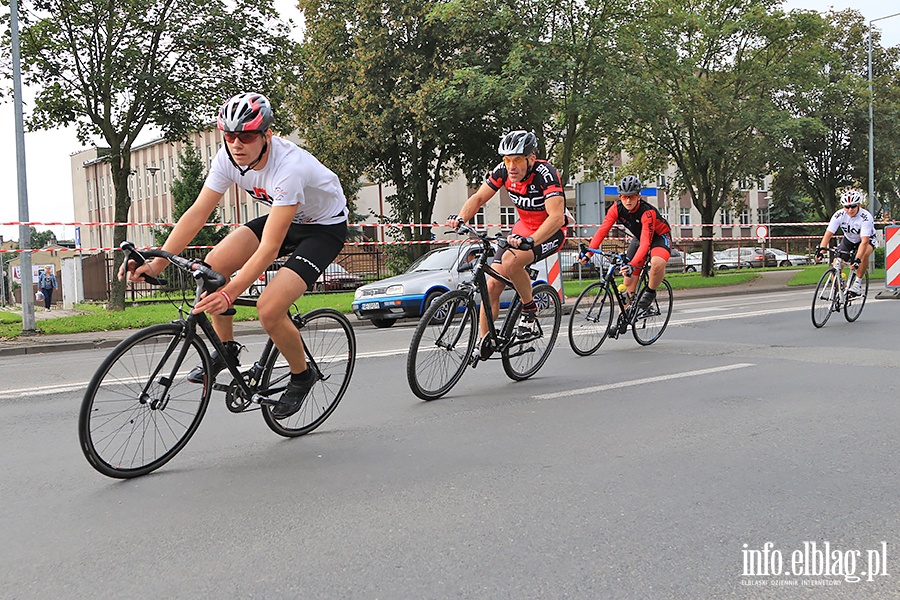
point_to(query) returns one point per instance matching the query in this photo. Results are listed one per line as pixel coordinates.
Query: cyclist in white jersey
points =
(858, 229)
(307, 220)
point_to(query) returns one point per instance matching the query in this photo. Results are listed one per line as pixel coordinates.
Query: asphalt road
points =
(657, 472)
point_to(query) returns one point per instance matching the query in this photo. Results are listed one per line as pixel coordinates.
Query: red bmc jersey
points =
(530, 194)
(644, 222)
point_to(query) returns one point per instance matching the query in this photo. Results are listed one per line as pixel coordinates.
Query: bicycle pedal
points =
(220, 387)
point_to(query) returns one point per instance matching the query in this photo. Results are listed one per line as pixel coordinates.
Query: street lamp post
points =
(874, 205)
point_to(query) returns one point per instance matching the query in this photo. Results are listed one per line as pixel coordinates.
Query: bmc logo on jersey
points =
(544, 171)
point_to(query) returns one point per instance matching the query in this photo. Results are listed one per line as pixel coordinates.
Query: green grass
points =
(679, 281)
(812, 274)
(95, 317)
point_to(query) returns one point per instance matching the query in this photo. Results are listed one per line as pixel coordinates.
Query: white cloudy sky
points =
(47, 152)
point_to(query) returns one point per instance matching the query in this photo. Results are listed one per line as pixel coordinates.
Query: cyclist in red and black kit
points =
(652, 236)
(537, 193)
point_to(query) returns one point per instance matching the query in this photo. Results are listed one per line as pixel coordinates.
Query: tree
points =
(825, 146)
(41, 239)
(702, 94)
(406, 92)
(113, 68)
(185, 189)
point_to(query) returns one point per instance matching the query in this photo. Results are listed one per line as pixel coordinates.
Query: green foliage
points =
(112, 68)
(42, 238)
(185, 189)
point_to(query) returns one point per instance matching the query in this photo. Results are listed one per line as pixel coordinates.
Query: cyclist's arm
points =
(476, 201)
(556, 218)
(277, 224)
(826, 239)
(610, 219)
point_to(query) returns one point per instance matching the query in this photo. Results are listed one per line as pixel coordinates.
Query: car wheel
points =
(690, 269)
(785, 263)
(722, 267)
(431, 297)
(383, 323)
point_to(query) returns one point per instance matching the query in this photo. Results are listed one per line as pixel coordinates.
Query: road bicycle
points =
(591, 319)
(443, 344)
(139, 409)
(833, 292)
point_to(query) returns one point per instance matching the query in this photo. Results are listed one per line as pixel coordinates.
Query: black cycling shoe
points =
(197, 374)
(292, 398)
(647, 299)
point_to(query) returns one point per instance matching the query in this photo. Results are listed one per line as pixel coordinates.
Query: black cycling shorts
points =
(311, 247)
(659, 246)
(542, 250)
(847, 249)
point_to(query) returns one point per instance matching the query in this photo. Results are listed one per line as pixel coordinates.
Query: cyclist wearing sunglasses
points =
(652, 237)
(535, 189)
(307, 221)
(858, 228)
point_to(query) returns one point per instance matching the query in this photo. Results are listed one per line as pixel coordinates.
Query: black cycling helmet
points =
(630, 186)
(518, 142)
(246, 112)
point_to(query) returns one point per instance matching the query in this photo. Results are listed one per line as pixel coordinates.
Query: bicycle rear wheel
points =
(648, 324)
(825, 298)
(524, 357)
(442, 345)
(330, 346)
(854, 305)
(139, 410)
(591, 318)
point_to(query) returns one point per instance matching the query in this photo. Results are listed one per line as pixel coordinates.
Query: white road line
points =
(623, 384)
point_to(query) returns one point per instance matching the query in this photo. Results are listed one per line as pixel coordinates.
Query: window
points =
(147, 180)
(162, 172)
(744, 185)
(763, 213)
(90, 195)
(507, 217)
(155, 184)
(727, 218)
(478, 220)
(661, 181)
(685, 216)
(745, 217)
(209, 156)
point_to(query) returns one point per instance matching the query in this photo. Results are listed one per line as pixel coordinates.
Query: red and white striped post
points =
(892, 256)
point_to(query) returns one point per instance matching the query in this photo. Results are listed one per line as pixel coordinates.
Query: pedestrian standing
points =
(47, 283)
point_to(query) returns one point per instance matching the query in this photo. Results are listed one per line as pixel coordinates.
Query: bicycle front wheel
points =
(590, 319)
(825, 298)
(648, 324)
(524, 357)
(330, 346)
(441, 345)
(139, 410)
(854, 305)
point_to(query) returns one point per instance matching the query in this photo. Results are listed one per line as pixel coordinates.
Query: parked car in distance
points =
(334, 278)
(721, 262)
(693, 261)
(410, 293)
(787, 260)
(756, 257)
(337, 277)
(676, 262)
(568, 263)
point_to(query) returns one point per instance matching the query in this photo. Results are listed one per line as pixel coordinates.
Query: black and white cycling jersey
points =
(854, 228)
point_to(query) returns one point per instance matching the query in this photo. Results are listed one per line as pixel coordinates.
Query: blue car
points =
(409, 294)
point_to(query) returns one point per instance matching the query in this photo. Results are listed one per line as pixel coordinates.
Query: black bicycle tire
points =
(636, 330)
(133, 408)
(859, 301)
(318, 405)
(511, 370)
(827, 276)
(587, 295)
(457, 298)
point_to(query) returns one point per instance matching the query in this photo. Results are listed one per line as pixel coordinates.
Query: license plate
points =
(371, 305)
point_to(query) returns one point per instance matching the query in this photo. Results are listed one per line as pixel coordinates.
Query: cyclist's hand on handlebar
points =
(820, 253)
(856, 262)
(522, 243)
(453, 221)
(215, 303)
(626, 270)
(136, 272)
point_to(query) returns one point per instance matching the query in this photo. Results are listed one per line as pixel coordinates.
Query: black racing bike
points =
(443, 345)
(591, 319)
(139, 409)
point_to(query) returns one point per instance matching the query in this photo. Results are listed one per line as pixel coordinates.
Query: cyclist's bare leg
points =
(273, 306)
(657, 271)
(513, 268)
(228, 256)
(864, 261)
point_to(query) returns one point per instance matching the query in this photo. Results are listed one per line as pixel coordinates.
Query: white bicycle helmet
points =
(246, 112)
(852, 197)
(518, 142)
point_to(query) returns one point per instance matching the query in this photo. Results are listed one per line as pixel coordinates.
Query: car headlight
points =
(358, 294)
(395, 290)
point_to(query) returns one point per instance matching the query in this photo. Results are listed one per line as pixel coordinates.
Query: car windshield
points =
(335, 269)
(442, 259)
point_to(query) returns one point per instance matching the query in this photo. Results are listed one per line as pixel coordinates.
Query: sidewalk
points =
(769, 281)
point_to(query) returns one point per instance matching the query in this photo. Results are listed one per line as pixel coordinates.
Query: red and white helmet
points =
(246, 112)
(852, 197)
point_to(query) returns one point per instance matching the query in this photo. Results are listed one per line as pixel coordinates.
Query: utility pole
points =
(24, 231)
